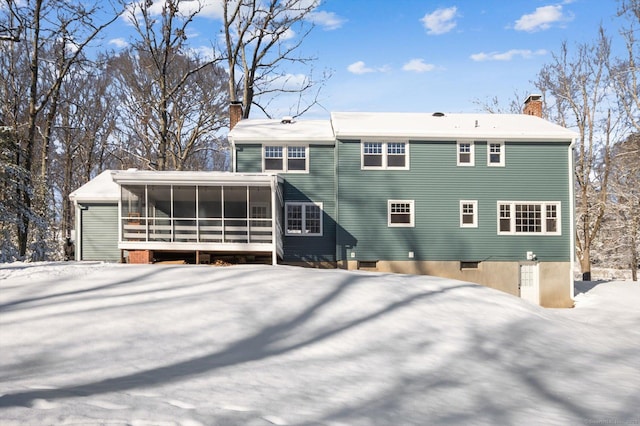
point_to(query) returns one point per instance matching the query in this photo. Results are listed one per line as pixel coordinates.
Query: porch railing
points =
(209, 230)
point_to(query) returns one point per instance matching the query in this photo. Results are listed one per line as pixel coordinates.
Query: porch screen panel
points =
(184, 213)
(235, 214)
(210, 214)
(134, 210)
(159, 212)
(260, 214)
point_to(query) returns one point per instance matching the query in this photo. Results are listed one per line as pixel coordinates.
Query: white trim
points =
(572, 242)
(502, 154)
(474, 203)
(385, 154)
(412, 211)
(472, 153)
(543, 219)
(303, 232)
(285, 158)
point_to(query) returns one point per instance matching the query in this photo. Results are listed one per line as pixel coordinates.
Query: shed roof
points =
(101, 188)
(429, 126)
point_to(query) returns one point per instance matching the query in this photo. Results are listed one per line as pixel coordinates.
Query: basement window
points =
(466, 265)
(367, 264)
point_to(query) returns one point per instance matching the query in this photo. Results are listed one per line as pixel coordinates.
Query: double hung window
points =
(303, 219)
(529, 218)
(495, 154)
(465, 153)
(469, 214)
(400, 213)
(282, 158)
(385, 155)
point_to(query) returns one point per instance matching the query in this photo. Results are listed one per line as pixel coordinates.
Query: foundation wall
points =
(555, 285)
(140, 256)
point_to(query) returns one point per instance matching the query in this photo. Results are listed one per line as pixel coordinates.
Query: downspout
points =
(572, 242)
(274, 221)
(78, 224)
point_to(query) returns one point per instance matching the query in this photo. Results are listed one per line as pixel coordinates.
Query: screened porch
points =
(200, 211)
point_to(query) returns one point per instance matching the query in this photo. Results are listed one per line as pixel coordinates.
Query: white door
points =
(529, 282)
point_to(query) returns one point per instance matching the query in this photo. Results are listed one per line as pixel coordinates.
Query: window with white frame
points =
(282, 158)
(385, 155)
(465, 153)
(541, 218)
(495, 154)
(469, 214)
(273, 158)
(303, 219)
(401, 213)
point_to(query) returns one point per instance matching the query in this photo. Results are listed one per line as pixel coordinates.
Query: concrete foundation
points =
(554, 277)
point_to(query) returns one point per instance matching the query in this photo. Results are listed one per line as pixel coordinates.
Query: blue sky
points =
(425, 56)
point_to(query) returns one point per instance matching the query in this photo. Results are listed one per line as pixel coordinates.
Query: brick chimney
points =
(533, 105)
(235, 113)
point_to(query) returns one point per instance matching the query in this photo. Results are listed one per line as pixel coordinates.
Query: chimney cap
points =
(533, 97)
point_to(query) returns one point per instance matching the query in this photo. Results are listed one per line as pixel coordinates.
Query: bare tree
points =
(623, 225)
(55, 35)
(84, 123)
(624, 72)
(494, 106)
(261, 39)
(575, 87)
(162, 49)
(195, 112)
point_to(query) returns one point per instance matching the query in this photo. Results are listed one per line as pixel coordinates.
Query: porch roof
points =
(143, 177)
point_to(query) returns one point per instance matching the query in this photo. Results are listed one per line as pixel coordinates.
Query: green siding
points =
(249, 158)
(317, 186)
(533, 172)
(99, 232)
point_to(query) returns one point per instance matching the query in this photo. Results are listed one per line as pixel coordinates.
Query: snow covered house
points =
(485, 198)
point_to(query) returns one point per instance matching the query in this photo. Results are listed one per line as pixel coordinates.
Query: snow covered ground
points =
(93, 343)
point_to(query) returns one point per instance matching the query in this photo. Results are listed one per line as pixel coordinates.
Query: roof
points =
(303, 131)
(174, 177)
(101, 188)
(428, 126)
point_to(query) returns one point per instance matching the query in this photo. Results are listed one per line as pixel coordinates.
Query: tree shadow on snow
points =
(266, 343)
(586, 286)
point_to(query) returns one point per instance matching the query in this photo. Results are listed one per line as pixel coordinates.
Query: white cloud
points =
(508, 55)
(289, 82)
(359, 68)
(327, 20)
(206, 8)
(119, 42)
(418, 65)
(440, 21)
(541, 19)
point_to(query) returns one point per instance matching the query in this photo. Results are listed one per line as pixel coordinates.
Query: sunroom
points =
(203, 213)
